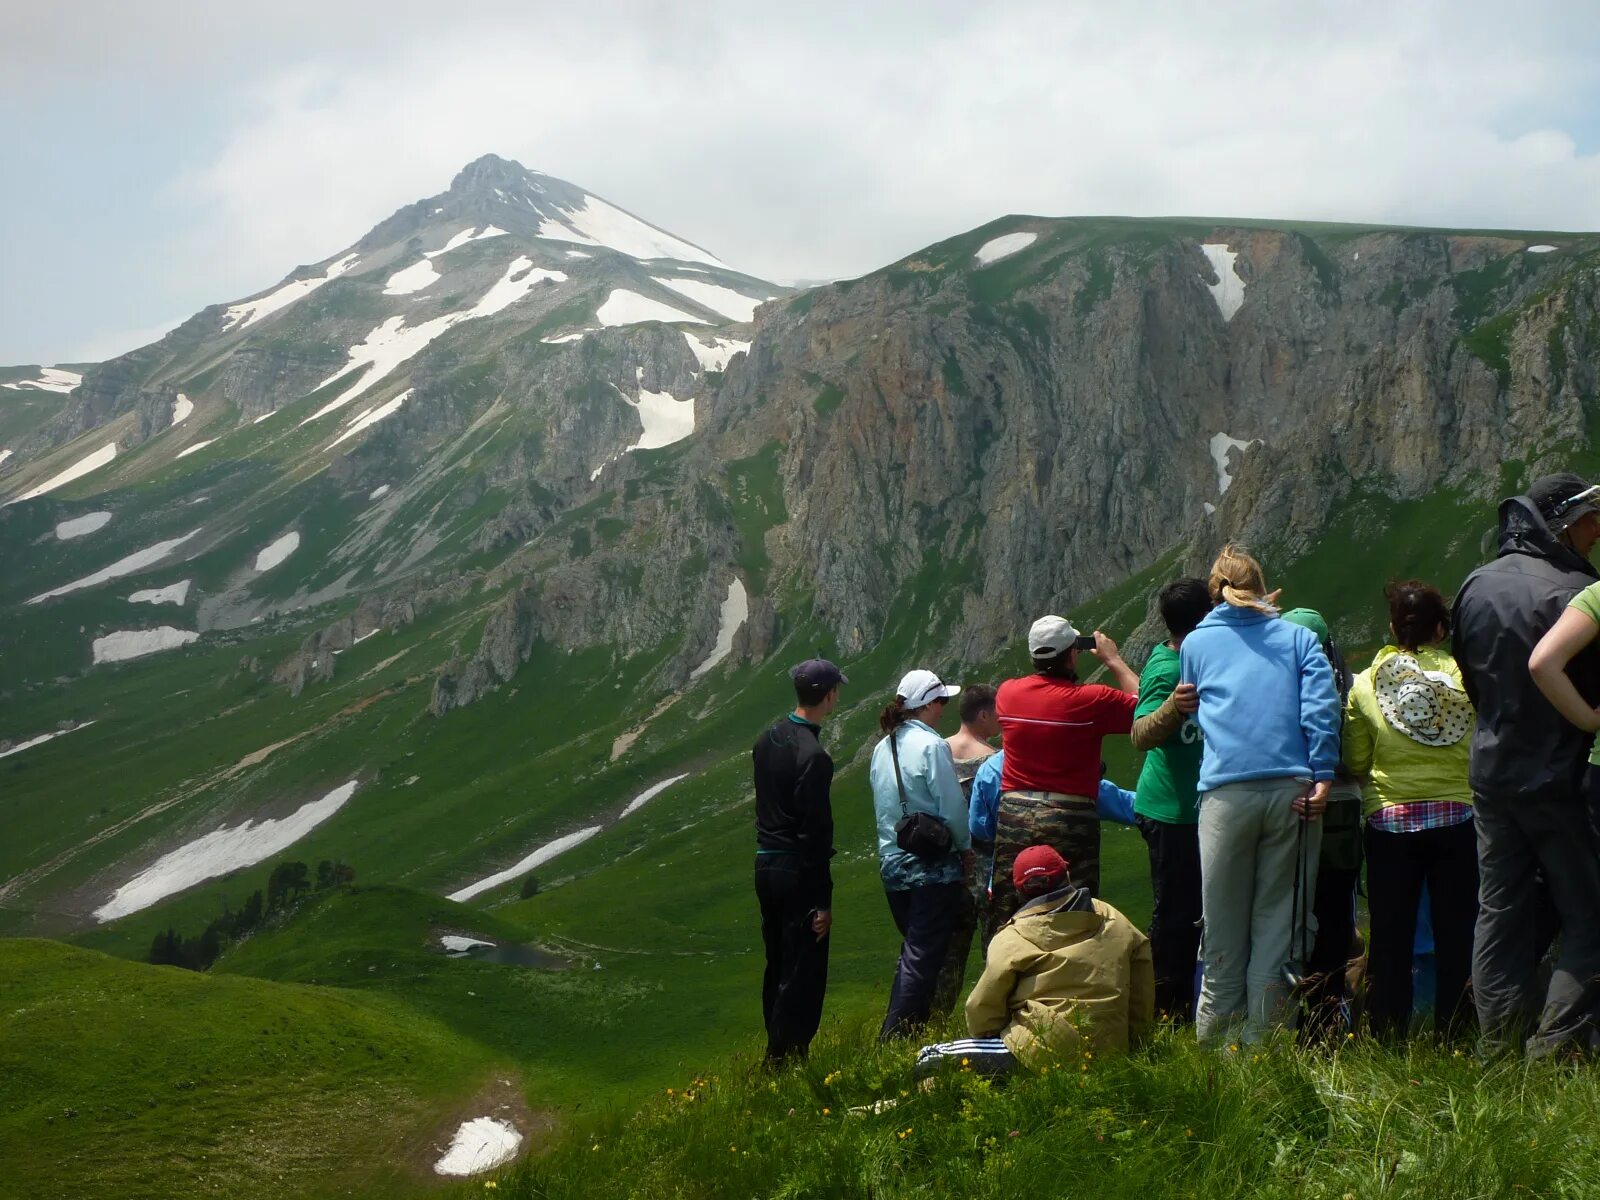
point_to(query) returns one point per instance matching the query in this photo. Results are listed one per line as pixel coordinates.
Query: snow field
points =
(649, 794)
(520, 868)
(665, 418)
(4, 454)
(89, 462)
(567, 337)
(221, 851)
(275, 554)
(455, 944)
(715, 353)
(137, 561)
(1540, 249)
(735, 609)
(412, 279)
(1228, 291)
(393, 342)
(597, 223)
(181, 408)
(1221, 446)
(136, 643)
(196, 448)
(42, 738)
(177, 593)
(53, 379)
(378, 492)
(480, 1144)
(371, 417)
(80, 526)
(623, 307)
(1003, 246)
(734, 305)
(248, 312)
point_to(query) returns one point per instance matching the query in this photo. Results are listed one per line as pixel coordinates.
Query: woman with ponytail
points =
(924, 845)
(1269, 713)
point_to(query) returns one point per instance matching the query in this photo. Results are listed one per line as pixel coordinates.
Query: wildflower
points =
(830, 1078)
(1350, 1037)
(733, 1149)
(1188, 1133)
(1233, 1049)
(1083, 1066)
(490, 1184)
(669, 1091)
(826, 1110)
(965, 1063)
(595, 1146)
(1015, 1133)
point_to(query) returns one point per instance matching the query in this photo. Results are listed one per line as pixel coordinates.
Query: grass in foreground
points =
(1171, 1120)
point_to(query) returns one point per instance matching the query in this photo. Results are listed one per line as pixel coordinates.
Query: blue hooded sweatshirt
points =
(1268, 705)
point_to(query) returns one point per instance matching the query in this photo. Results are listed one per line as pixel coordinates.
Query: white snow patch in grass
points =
(537, 859)
(278, 551)
(136, 643)
(623, 307)
(78, 526)
(1221, 445)
(454, 943)
(41, 739)
(715, 353)
(735, 608)
(219, 852)
(734, 305)
(665, 419)
(1540, 249)
(198, 446)
(378, 492)
(393, 342)
(412, 279)
(481, 1144)
(181, 409)
(1006, 244)
(51, 379)
(465, 236)
(650, 793)
(89, 462)
(597, 223)
(1209, 507)
(1228, 291)
(137, 561)
(578, 254)
(248, 312)
(4, 454)
(177, 593)
(567, 337)
(371, 417)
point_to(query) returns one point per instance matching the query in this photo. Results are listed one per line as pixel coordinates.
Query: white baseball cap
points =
(924, 687)
(1051, 636)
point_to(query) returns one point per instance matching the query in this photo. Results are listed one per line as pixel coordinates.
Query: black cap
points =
(1553, 496)
(817, 672)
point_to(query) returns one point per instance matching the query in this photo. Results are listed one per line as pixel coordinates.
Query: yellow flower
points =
(825, 1111)
(490, 1184)
(1188, 1133)
(733, 1149)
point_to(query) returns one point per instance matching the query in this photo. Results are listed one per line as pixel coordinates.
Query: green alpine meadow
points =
(381, 655)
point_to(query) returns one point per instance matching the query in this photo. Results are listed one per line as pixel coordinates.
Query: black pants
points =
(925, 916)
(1175, 922)
(1518, 838)
(1333, 906)
(792, 989)
(1398, 864)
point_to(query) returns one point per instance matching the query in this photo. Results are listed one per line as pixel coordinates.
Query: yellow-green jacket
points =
(1399, 769)
(1066, 974)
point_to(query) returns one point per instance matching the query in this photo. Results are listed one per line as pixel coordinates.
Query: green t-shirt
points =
(1588, 603)
(1170, 779)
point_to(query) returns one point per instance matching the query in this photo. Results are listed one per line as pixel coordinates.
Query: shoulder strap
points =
(900, 786)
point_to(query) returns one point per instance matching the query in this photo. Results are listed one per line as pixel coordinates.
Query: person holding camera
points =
(924, 847)
(1269, 713)
(1052, 726)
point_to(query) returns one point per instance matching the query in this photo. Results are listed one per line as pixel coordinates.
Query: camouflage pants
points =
(1069, 824)
(953, 972)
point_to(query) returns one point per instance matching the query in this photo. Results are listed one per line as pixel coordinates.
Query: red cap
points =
(1038, 868)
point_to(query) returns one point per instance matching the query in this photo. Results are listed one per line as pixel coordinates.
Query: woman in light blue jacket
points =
(1269, 711)
(924, 891)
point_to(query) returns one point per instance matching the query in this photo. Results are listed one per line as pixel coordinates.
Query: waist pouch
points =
(918, 833)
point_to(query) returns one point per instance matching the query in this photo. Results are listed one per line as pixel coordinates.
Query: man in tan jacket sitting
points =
(1067, 973)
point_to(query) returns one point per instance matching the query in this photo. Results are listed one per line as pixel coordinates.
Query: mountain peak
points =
(489, 172)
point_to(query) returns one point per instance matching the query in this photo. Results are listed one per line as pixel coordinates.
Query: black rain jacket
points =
(794, 813)
(1522, 746)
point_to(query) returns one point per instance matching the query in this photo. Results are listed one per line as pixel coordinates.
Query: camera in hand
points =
(1084, 641)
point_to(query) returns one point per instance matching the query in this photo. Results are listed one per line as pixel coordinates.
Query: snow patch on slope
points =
(1540, 249)
(89, 462)
(1221, 446)
(219, 852)
(715, 353)
(136, 561)
(1228, 291)
(736, 306)
(248, 312)
(371, 417)
(537, 859)
(623, 307)
(274, 554)
(597, 223)
(54, 379)
(649, 794)
(136, 643)
(79, 526)
(481, 1144)
(1006, 244)
(411, 279)
(177, 593)
(735, 609)
(665, 418)
(196, 448)
(42, 738)
(181, 408)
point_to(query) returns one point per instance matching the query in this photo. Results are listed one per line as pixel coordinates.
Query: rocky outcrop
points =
(508, 638)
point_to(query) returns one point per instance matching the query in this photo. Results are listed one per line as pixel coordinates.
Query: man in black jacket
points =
(1527, 773)
(794, 841)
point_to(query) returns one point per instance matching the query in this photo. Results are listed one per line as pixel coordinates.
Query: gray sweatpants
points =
(1519, 838)
(1250, 837)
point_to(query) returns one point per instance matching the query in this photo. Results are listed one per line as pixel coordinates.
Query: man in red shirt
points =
(1051, 726)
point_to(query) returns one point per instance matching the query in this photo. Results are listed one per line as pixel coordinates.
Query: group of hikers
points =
(1456, 768)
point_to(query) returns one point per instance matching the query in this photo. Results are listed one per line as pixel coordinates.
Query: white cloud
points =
(825, 140)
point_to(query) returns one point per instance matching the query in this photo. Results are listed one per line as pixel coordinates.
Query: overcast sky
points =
(161, 156)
